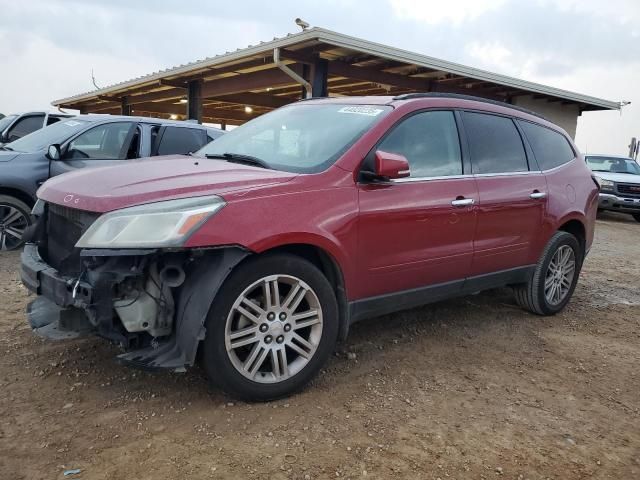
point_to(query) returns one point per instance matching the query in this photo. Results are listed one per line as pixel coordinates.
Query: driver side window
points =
(110, 141)
(429, 141)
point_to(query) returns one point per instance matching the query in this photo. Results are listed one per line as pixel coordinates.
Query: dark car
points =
(266, 245)
(16, 126)
(78, 142)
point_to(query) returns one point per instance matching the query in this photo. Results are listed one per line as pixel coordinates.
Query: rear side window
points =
(495, 144)
(25, 126)
(429, 141)
(179, 140)
(550, 148)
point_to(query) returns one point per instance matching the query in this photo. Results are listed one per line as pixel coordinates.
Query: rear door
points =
(512, 194)
(171, 140)
(24, 126)
(418, 231)
(105, 144)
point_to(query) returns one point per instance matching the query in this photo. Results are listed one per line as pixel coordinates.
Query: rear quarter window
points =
(550, 148)
(494, 143)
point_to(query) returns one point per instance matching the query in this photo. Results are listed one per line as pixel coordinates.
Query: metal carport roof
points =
(220, 88)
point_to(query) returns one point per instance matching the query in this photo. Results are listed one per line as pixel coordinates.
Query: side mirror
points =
(391, 165)
(54, 152)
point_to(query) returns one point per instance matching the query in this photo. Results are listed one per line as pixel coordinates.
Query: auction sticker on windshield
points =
(370, 111)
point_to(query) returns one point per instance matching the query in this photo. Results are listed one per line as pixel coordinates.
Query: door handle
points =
(537, 195)
(462, 202)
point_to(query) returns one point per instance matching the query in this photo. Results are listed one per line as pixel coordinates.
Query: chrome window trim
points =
(426, 179)
(560, 166)
(453, 177)
(508, 174)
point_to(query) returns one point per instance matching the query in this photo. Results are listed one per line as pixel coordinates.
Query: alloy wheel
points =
(273, 328)
(12, 226)
(560, 274)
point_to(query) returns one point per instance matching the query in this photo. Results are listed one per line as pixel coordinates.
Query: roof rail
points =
(409, 96)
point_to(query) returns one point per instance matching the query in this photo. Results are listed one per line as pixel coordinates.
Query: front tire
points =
(271, 328)
(15, 217)
(555, 276)
(636, 216)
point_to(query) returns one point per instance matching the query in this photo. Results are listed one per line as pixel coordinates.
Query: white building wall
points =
(565, 116)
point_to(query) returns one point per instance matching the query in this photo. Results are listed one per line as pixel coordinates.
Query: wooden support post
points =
(194, 101)
(125, 108)
(320, 73)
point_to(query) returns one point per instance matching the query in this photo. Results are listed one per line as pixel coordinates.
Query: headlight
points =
(605, 184)
(154, 225)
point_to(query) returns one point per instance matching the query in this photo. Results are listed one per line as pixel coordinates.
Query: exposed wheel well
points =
(19, 194)
(576, 228)
(330, 268)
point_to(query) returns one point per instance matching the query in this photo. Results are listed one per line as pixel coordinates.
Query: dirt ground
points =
(469, 388)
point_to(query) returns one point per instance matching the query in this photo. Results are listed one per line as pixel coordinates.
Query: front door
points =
(418, 231)
(102, 145)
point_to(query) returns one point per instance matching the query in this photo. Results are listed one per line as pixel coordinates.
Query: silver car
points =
(619, 179)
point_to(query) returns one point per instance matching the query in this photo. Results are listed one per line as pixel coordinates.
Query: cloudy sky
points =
(49, 47)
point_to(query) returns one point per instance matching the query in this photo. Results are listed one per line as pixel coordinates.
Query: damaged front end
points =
(153, 302)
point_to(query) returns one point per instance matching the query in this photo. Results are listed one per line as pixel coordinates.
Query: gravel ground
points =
(469, 388)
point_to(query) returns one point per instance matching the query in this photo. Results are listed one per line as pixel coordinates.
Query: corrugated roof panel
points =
(345, 45)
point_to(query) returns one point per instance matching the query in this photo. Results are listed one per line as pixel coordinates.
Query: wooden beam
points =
(173, 83)
(207, 112)
(298, 57)
(254, 99)
(110, 99)
(100, 108)
(373, 75)
(168, 94)
(157, 107)
(228, 115)
(466, 91)
(238, 67)
(370, 74)
(248, 81)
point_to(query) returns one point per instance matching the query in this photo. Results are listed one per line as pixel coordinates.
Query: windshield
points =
(41, 139)
(5, 121)
(613, 165)
(301, 138)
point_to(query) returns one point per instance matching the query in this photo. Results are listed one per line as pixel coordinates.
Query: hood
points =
(104, 189)
(618, 177)
(6, 155)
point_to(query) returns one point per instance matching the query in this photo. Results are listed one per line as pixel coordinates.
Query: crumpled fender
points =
(196, 296)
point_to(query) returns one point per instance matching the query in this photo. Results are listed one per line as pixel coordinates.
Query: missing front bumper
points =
(52, 322)
(92, 294)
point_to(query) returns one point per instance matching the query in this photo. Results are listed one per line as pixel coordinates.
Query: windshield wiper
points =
(4, 147)
(239, 158)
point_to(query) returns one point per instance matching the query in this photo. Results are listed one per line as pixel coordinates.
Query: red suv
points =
(260, 250)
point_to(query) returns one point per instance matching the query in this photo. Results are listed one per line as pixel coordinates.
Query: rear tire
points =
(636, 216)
(272, 326)
(555, 276)
(15, 217)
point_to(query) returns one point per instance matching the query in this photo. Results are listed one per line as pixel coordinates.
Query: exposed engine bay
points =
(152, 302)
